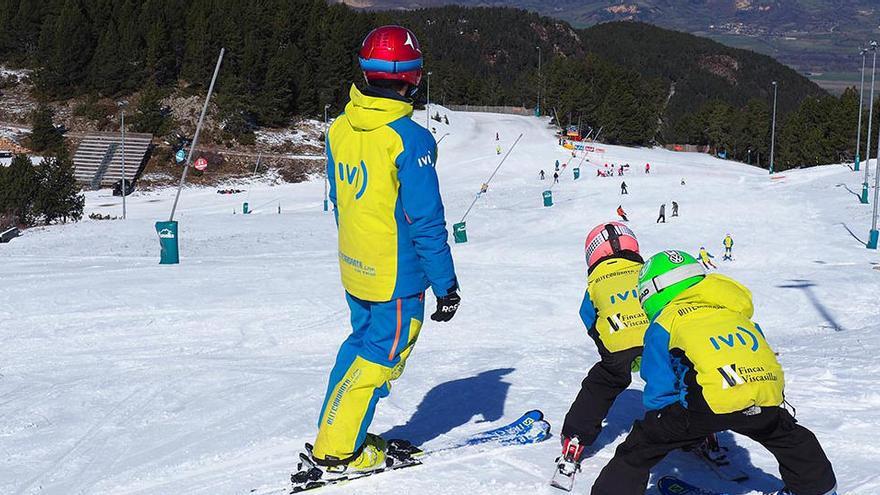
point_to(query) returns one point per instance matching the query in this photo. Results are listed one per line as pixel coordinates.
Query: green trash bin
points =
(168, 243)
(459, 232)
(548, 198)
(244, 208)
(577, 173)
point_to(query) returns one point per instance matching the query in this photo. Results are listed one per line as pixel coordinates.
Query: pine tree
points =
(66, 47)
(44, 136)
(22, 184)
(58, 196)
(150, 115)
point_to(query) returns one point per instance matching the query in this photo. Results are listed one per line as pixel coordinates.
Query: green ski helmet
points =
(666, 275)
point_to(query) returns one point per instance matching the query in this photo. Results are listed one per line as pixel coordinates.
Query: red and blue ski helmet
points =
(391, 53)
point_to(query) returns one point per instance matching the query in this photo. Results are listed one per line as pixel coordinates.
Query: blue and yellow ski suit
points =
(616, 322)
(704, 351)
(392, 247)
(707, 368)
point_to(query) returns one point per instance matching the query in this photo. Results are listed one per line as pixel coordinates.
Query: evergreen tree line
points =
(46, 193)
(641, 84)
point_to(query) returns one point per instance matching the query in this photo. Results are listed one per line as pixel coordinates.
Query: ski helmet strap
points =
(668, 279)
(613, 237)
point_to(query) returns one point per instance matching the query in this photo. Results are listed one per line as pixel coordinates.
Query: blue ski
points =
(527, 429)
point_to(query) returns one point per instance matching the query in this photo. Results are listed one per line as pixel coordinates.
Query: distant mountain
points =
(816, 37)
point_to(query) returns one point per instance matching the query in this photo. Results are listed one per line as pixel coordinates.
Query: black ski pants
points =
(604, 382)
(802, 463)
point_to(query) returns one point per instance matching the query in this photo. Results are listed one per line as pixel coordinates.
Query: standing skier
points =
(555, 177)
(542, 175)
(693, 389)
(674, 209)
(616, 323)
(621, 213)
(392, 245)
(647, 168)
(728, 248)
(623, 188)
(662, 217)
(498, 149)
(706, 258)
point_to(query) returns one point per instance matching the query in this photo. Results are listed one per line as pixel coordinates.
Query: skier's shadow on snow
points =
(453, 404)
(626, 409)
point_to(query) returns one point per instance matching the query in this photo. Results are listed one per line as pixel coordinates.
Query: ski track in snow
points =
(120, 376)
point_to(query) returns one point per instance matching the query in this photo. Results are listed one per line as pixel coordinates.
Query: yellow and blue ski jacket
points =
(704, 351)
(389, 213)
(610, 309)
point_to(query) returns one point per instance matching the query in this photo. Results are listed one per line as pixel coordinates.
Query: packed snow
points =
(122, 376)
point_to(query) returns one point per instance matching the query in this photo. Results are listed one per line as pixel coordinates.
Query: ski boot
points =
(568, 464)
(313, 472)
(715, 457)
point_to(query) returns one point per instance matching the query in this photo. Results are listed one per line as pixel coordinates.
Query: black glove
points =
(446, 307)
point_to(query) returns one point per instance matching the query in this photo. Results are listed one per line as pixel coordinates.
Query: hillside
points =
(120, 376)
(701, 69)
(818, 37)
(639, 83)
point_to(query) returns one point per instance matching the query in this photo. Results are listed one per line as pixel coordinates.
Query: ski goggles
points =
(657, 284)
(388, 66)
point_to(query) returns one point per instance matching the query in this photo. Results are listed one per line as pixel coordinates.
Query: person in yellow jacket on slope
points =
(392, 245)
(616, 322)
(728, 248)
(707, 368)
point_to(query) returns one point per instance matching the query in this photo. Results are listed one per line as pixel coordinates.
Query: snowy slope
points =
(121, 376)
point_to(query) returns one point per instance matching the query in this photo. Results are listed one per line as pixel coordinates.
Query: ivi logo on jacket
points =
(426, 161)
(742, 336)
(354, 176)
(623, 296)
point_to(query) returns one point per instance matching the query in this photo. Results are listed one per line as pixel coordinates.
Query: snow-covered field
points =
(121, 376)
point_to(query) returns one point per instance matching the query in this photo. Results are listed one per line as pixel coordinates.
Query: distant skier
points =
(498, 149)
(496, 137)
(728, 248)
(706, 259)
(557, 165)
(555, 177)
(698, 382)
(384, 288)
(616, 322)
(620, 171)
(647, 168)
(621, 213)
(445, 119)
(542, 175)
(674, 209)
(682, 181)
(623, 188)
(662, 217)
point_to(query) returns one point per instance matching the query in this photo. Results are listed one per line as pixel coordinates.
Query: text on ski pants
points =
(383, 335)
